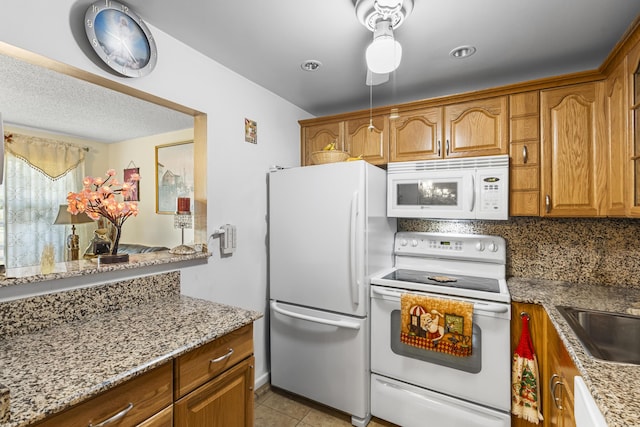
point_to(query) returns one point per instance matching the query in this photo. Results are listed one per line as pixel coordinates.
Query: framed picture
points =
(250, 131)
(134, 195)
(174, 175)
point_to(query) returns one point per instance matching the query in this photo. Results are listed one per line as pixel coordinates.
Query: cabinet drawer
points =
(200, 365)
(132, 402)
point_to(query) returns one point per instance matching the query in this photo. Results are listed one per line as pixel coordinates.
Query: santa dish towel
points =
(525, 387)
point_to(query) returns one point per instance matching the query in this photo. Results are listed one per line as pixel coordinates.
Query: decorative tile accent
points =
(35, 313)
(584, 251)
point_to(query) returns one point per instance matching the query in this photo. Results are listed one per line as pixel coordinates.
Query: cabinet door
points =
(524, 150)
(416, 135)
(476, 128)
(560, 386)
(315, 137)
(633, 91)
(225, 401)
(617, 113)
(372, 144)
(538, 329)
(571, 151)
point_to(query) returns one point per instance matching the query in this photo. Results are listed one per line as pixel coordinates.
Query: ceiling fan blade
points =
(374, 79)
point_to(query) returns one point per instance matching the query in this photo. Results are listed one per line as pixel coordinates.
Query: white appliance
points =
(467, 188)
(327, 231)
(414, 387)
(586, 410)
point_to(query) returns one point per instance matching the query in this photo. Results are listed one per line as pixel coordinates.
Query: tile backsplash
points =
(591, 250)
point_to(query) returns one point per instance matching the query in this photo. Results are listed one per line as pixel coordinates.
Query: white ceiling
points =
(267, 41)
(516, 40)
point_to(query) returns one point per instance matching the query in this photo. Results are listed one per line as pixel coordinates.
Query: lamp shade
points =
(384, 53)
(64, 217)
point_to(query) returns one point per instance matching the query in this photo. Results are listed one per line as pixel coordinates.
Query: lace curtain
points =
(39, 174)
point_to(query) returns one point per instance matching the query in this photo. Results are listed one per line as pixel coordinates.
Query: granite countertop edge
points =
(608, 382)
(33, 396)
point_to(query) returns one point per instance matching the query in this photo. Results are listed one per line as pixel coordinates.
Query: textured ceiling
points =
(42, 99)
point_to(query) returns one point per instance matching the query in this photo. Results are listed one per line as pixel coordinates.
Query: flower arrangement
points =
(98, 199)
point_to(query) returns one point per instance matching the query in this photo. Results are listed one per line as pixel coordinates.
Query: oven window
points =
(471, 364)
(428, 193)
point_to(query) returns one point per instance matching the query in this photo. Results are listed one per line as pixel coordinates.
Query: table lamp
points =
(73, 241)
(183, 219)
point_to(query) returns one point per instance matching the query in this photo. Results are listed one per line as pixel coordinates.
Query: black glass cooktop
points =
(452, 281)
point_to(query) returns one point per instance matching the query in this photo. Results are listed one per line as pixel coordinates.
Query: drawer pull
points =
(116, 417)
(223, 357)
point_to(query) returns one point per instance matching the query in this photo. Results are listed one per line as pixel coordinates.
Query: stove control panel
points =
(448, 245)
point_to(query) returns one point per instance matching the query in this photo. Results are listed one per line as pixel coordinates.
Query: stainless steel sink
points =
(614, 337)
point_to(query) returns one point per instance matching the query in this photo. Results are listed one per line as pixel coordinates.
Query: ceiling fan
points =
(384, 53)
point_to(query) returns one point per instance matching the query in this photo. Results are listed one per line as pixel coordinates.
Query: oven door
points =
(483, 378)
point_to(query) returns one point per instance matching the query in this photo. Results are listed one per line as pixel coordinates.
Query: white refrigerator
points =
(328, 232)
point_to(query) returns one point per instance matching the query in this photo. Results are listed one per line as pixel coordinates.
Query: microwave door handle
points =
(473, 193)
(353, 257)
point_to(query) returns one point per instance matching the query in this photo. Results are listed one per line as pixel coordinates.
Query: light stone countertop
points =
(85, 267)
(54, 368)
(614, 386)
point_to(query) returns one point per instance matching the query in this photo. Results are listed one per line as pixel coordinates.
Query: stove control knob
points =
(414, 243)
(403, 242)
(493, 247)
(480, 246)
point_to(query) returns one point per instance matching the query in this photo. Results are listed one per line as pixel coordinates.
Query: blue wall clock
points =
(120, 38)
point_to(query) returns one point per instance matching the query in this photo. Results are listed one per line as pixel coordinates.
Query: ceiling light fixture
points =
(384, 53)
(383, 16)
(311, 65)
(463, 52)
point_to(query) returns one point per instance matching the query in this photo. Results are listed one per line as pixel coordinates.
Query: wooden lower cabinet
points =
(225, 401)
(213, 387)
(555, 366)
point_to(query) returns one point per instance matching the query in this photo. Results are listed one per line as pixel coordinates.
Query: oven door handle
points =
(480, 306)
(339, 323)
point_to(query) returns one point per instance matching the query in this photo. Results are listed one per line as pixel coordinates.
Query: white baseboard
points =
(262, 380)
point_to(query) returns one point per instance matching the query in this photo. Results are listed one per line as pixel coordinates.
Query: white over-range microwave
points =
(466, 188)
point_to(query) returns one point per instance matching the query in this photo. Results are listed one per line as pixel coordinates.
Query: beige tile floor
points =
(277, 408)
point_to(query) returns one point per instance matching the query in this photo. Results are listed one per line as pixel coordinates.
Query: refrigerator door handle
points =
(339, 323)
(353, 266)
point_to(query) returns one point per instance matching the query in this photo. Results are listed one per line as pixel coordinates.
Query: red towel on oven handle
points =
(525, 386)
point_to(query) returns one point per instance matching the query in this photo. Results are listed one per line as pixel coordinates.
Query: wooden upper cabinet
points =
(416, 135)
(372, 144)
(524, 153)
(572, 154)
(633, 117)
(315, 137)
(617, 113)
(476, 128)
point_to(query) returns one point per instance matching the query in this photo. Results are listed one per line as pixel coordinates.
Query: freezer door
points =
(321, 356)
(317, 237)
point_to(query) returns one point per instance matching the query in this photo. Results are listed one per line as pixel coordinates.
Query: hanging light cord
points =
(371, 104)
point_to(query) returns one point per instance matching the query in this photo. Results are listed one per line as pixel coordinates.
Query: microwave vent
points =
(449, 164)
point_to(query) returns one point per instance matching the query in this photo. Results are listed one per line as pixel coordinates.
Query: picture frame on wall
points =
(134, 194)
(174, 175)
